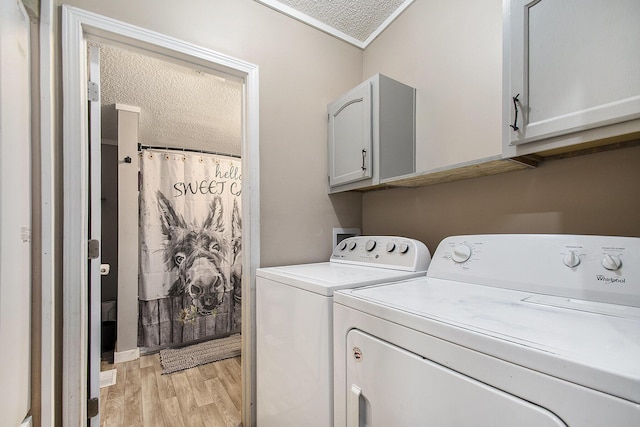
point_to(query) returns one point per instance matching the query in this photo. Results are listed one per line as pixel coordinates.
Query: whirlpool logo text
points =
(610, 280)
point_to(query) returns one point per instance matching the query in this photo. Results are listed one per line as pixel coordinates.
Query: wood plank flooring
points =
(207, 395)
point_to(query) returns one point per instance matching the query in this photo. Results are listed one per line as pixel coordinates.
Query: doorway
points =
(78, 27)
(181, 129)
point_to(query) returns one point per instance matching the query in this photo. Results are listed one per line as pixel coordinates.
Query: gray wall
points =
(301, 71)
(452, 53)
(591, 194)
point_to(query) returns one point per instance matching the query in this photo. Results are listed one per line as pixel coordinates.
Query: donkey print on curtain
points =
(190, 247)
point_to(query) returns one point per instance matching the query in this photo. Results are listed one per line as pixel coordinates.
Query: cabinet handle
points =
(364, 154)
(514, 126)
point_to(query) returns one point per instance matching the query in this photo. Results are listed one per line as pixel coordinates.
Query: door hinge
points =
(93, 91)
(94, 248)
(93, 407)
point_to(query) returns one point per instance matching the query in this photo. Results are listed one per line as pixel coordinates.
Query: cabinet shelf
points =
(474, 169)
(496, 165)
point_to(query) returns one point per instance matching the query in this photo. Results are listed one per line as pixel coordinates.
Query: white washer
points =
(294, 324)
(526, 330)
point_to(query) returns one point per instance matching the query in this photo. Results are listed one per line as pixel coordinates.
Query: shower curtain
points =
(190, 247)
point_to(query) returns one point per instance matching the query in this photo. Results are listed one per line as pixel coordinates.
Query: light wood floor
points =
(207, 395)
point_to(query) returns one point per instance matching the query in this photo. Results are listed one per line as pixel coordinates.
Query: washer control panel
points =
(599, 268)
(393, 252)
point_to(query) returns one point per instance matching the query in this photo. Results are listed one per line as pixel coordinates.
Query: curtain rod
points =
(190, 150)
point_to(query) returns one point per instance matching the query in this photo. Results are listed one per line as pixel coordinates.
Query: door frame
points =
(77, 27)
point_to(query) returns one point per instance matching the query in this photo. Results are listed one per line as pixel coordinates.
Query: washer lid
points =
(593, 344)
(326, 277)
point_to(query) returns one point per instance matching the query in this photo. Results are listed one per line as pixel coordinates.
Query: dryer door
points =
(389, 386)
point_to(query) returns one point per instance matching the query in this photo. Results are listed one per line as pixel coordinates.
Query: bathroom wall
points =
(110, 220)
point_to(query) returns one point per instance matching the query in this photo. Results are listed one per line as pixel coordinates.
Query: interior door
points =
(15, 215)
(93, 368)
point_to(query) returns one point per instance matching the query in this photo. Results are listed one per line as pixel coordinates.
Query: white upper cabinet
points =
(350, 136)
(571, 73)
(371, 134)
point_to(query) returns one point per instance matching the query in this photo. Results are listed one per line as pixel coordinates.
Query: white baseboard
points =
(126, 356)
(108, 378)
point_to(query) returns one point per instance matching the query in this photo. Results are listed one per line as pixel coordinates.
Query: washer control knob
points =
(342, 246)
(571, 259)
(352, 245)
(391, 247)
(371, 245)
(461, 253)
(403, 248)
(611, 262)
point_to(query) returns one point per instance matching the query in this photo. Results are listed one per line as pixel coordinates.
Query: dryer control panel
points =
(398, 253)
(595, 268)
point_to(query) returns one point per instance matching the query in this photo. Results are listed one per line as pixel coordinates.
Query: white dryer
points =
(294, 328)
(505, 330)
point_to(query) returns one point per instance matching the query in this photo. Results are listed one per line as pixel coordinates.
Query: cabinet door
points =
(350, 136)
(575, 65)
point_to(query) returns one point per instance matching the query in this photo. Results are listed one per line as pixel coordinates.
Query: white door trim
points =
(95, 231)
(48, 216)
(77, 26)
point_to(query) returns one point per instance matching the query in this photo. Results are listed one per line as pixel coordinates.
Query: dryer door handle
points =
(353, 407)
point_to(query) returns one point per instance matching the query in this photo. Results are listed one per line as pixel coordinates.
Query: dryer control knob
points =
(461, 253)
(391, 247)
(571, 259)
(403, 248)
(342, 246)
(352, 246)
(371, 245)
(611, 262)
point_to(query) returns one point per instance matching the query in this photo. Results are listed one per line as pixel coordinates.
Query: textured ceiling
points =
(180, 107)
(356, 21)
